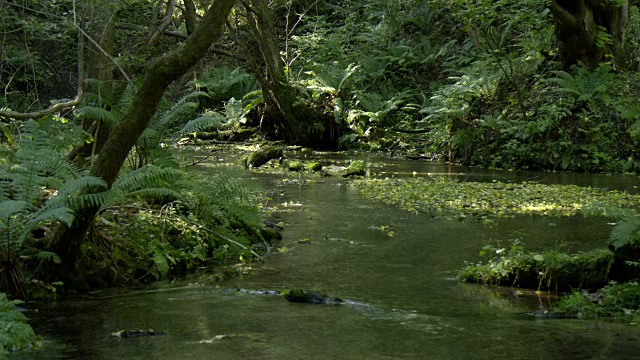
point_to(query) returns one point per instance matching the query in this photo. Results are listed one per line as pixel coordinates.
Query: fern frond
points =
(155, 193)
(97, 113)
(49, 256)
(9, 208)
(62, 214)
(202, 123)
(585, 84)
(74, 187)
(77, 203)
(147, 177)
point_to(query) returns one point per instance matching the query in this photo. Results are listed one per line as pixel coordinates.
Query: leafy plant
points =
(585, 85)
(37, 186)
(16, 333)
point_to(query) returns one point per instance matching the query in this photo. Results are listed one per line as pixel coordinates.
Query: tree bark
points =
(276, 92)
(190, 16)
(577, 23)
(157, 77)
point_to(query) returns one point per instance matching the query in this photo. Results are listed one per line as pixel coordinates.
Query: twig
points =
(199, 161)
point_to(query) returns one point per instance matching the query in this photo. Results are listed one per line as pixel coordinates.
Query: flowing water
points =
(402, 300)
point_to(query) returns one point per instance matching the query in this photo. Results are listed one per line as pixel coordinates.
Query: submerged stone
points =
(136, 333)
(310, 297)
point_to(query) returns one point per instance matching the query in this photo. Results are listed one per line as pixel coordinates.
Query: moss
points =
(261, 156)
(295, 166)
(356, 168)
(551, 270)
(313, 166)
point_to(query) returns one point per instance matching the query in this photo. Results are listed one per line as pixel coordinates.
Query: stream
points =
(402, 299)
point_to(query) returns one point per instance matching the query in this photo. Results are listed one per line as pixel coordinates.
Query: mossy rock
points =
(263, 155)
(313, 166)
(295, 166)
(356, 168)
(271, 235)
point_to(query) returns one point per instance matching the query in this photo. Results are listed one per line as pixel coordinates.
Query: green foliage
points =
(16, 333)
(626, 232)
(37, 186)
(579, 305)
(214, 221)
(223, 83)
(586, 85)
(550, 270)
(620, 300)
(151, 147)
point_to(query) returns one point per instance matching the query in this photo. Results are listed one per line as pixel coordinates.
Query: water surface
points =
(403, 300)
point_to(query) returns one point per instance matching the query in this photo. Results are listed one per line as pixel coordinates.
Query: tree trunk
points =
(578, 23)
(277, 94)
(190, 16)
(157, 76)
(100, 68)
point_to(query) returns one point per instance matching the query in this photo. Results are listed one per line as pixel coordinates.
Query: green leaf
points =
(49, 256)
(161, 263)
(625, 232)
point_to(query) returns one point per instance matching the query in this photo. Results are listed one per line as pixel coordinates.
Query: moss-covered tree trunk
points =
(582, 27)
(276, 92)
(157, 77)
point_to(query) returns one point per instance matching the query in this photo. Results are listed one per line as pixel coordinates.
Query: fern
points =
(213, 119)
(585, 85)
(37, 186)
(94, 113)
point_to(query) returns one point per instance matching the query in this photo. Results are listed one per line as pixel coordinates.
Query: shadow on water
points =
(402, 300)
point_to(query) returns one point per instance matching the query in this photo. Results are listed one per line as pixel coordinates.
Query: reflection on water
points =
(402, 302)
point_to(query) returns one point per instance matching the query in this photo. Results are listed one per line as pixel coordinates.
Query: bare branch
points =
(36, 114)
(153, 39)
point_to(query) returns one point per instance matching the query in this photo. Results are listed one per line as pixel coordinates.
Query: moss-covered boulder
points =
(313, 166)
(295, 165)
(551, 270)
(261, 156)
(356, 168)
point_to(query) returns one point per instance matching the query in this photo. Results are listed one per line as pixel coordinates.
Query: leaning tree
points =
(157, 76)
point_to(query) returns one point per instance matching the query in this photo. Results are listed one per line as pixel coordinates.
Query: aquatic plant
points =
(440, 196)
(549, 270)
(621, 300)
